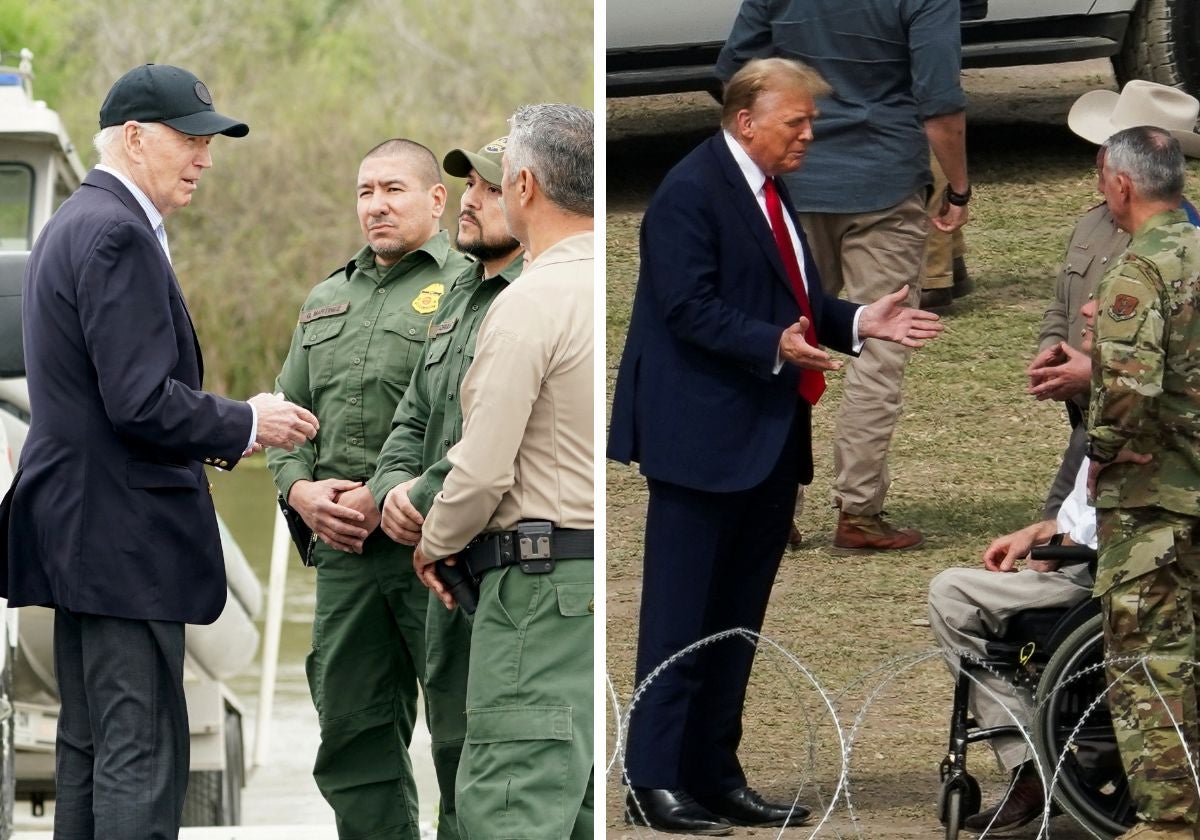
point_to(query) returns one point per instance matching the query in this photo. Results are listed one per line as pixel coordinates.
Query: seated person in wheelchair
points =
(969, 606)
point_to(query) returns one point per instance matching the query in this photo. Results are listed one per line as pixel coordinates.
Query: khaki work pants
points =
(869, 255)
(969, 606)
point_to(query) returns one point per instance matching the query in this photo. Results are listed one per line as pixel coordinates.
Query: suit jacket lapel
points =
(105, 181)
(746, 204)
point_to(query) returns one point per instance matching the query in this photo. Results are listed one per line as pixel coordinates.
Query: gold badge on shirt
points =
(427, 300)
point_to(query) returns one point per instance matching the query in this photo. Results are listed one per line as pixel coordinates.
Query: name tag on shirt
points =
(323, 312)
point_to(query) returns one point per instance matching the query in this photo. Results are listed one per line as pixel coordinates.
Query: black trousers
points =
(121, 765)
(710, 562)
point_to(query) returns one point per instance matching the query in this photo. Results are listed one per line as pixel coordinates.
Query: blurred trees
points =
(319, 82)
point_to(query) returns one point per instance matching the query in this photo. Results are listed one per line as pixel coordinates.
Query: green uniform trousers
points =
(1152, 609)
(447, 648)
(527, 767)
(368, 654)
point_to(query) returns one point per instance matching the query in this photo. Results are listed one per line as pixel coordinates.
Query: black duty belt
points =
(533, 545)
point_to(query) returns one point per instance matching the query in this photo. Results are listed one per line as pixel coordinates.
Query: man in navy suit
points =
(110, 519)
(721, 367)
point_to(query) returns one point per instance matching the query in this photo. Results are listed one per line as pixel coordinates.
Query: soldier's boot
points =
(1160, 831)
(863, 534)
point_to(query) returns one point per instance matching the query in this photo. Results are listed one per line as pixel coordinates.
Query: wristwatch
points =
(958, 199)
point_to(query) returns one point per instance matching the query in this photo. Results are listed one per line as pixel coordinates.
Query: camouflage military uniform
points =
(1146, 395)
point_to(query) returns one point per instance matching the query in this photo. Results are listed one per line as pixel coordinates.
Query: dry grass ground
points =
(971, 460)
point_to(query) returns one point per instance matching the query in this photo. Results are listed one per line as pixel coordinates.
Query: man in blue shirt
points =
(894, 67)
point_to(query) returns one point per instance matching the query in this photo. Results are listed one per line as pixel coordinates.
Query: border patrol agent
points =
(1146, 402)
(517, 507)
(360, 335)
(428, 421)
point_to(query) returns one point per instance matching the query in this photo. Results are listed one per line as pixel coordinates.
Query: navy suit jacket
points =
(111, 512)
(696, 402)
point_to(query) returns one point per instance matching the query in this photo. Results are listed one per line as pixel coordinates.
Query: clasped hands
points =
(402, 522)
(889, 318)
(1059, 372)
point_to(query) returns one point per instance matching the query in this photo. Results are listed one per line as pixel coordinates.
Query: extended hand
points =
(401, 520)
(891, 319)
(793, 348)
(1125, 456)
(427, 571)
(1059, 373)
(337, 526)
(281, 423)
(1004, 552)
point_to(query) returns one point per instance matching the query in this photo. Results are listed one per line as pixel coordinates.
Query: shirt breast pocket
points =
(319, 346)
(435, 350)
(403, 336)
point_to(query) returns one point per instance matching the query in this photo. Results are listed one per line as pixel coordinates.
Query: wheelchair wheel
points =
(1091, 784)
(957, 800)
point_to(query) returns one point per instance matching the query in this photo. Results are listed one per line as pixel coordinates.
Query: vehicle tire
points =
(1162, 44)
(214, 797)
(1091, 784)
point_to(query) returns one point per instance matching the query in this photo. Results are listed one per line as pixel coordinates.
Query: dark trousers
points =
(710, 562)
(121, 766)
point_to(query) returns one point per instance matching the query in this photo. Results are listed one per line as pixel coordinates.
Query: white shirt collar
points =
(750, 171)
(147, 205)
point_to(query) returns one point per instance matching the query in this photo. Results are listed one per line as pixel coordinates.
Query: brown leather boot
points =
(864, 534)
(1022, 803)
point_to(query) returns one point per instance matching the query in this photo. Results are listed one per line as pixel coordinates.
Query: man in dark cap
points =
(413, 463)
(110, 519)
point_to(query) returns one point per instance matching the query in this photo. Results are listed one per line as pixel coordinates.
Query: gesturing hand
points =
(793, 348)
(281, 423)
(891, 319)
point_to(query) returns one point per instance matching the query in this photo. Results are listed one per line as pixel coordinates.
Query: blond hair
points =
(764, 74)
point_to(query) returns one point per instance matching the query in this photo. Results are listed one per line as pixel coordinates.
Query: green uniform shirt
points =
(428, 421)
(1146, 370)
(361, 333)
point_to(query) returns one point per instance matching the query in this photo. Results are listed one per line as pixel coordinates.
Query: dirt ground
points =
(971, 460)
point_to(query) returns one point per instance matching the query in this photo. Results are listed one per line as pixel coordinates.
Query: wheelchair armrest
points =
(1064, 554)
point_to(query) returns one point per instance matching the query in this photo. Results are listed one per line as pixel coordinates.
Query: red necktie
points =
(812, 382)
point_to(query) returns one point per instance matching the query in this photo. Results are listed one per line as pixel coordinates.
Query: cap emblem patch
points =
(496, 146)
(202, 93)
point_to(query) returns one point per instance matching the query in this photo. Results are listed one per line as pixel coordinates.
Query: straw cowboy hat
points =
(1099, 114)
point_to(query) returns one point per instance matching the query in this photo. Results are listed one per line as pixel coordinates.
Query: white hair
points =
(103, 141)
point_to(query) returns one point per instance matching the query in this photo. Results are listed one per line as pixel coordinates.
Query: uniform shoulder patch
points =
(1123, 307)
(428, 298)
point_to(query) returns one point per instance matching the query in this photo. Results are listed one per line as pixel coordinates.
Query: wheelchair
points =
(1055, 655)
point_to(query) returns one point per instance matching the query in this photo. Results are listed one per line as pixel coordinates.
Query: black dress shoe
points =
(672, 811)
(743, 806)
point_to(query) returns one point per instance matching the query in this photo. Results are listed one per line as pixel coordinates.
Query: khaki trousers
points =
(969, 606)
(869, 255)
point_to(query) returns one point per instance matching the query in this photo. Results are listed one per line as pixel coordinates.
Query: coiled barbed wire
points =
(885, 675)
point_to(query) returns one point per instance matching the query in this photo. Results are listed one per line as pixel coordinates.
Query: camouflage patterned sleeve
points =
(1128, 355)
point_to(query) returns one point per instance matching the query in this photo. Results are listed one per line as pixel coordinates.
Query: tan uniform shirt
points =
(527, 449)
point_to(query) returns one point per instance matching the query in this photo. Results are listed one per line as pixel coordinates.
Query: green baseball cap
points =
(460, 162)
(170, 95)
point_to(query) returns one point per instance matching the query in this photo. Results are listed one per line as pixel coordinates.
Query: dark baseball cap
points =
(460, 162)
(170, 95)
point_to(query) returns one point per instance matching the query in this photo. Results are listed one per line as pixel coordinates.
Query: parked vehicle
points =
(671, 45)
(39, 168)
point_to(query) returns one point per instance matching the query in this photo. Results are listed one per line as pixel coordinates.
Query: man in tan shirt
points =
(516, 510)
